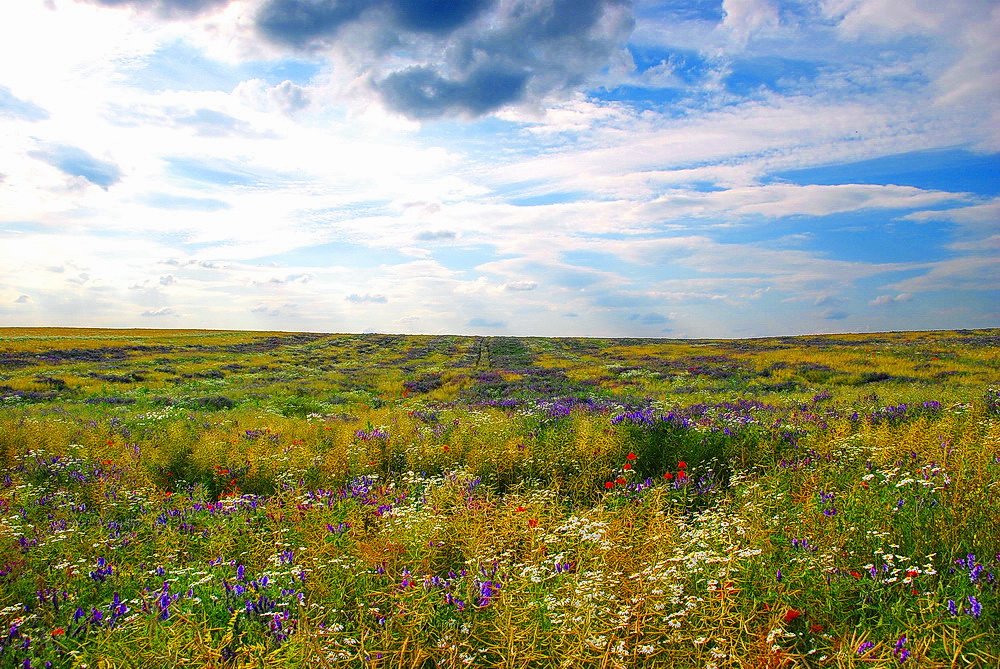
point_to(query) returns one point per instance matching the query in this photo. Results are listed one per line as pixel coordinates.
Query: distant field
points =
(266, 499)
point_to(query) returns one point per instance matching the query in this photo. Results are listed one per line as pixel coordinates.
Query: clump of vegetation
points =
(385, 501)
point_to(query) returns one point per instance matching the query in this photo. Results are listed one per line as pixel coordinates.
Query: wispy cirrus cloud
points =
(75, 162)
(14, 107)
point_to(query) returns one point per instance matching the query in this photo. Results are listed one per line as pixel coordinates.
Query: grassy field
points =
(253, 499)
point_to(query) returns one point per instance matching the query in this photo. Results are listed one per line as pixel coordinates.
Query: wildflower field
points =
(224, 499)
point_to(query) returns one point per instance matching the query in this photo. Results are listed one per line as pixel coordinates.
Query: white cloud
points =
(746, 17)
(976, 219)
(735, 146)
(780, 200)
(886, 300)
(638, 192)
(354, 297)
(957, 274)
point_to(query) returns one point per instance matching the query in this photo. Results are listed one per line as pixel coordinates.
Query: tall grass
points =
(339, 518)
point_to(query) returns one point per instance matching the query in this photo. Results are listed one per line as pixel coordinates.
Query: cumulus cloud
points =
(885, 300)
(835, 314)
(286, 97)
(168, 280)
(354, 297)
(745, 17)
(76, 162)
(12, 106)
(154, 313)
(302, 23)
(434, 58)
(421, 93)
(22, 299)
(520, 285)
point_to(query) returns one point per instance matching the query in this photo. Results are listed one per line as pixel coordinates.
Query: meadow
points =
(265, 499)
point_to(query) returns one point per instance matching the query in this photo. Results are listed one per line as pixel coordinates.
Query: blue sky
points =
(692, 168)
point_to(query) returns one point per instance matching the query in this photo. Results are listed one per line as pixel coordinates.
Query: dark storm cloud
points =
(419, 92)
(459, 65)
(76, 162)
(436, 58)
(166, 8)
(436, 16)
(12, 106)
(300, 23)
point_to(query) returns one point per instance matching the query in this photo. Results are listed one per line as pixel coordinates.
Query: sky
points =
(604, 168)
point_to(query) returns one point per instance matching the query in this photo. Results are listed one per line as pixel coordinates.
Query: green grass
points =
(271, 500)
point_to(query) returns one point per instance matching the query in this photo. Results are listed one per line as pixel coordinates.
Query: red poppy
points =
(445, 449)
(58, 631)
(105, 462)
(815, 629)
(532, 522)
(668, 476)
(682, 464)
(520, 508)
(609, 484)
(911, 573)
(681, 475)
(631, 456)
(791, 615)
(620, 480)
(628, 465)
(856, 575)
